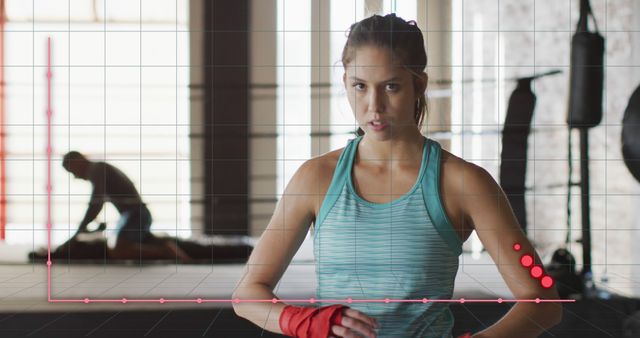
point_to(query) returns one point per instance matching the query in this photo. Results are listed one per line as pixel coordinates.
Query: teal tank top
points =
(402, 250)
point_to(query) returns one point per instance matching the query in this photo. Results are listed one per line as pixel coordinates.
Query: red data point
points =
(526, 260)
(536, 271)
(546, 282)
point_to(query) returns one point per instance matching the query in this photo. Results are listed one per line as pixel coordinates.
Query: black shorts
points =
(135, 224)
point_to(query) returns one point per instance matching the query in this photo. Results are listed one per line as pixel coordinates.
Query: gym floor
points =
(24, 310)
(23, 287)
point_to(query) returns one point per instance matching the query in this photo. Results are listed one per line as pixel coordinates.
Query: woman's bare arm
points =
(275, 249)
(487, 208)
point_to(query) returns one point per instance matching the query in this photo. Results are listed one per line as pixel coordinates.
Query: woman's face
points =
(382, 95)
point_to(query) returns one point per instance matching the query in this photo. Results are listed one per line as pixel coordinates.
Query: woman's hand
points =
(355, 324)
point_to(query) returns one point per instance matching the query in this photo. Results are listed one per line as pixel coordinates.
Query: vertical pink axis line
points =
(49, 169)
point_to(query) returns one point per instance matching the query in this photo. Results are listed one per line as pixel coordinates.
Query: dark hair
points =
(404, 40)
(72, 156)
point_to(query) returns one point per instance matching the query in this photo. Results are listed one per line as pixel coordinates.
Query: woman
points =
(390, 212)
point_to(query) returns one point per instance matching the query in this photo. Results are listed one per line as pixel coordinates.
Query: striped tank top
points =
(404, 249)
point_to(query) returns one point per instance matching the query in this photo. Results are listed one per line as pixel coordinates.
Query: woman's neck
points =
(398, 149)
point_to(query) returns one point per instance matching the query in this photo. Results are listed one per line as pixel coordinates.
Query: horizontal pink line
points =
(202, 300)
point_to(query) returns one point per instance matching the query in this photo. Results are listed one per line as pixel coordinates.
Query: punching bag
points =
(586, 78)
(631, 135)
(513, 159)
(515, 136)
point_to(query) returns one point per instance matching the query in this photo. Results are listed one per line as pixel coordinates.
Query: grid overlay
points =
(200, 300)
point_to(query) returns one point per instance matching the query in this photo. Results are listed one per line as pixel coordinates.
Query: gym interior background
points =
(210, 106)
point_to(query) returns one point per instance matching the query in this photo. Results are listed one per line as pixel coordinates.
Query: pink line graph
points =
(235, 300)
(310, 301)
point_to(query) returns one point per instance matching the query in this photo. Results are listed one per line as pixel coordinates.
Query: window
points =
(120, 94)
(343, 123)
(294, 87)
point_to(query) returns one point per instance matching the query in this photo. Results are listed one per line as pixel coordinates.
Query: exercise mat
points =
(92, 248)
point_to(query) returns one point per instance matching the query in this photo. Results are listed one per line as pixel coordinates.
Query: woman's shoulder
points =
(321, 167)
(459, 180)
(458, 172)
(315, 175)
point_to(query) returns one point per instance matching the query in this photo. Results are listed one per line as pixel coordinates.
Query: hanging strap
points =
(568, 238)
(583, 22)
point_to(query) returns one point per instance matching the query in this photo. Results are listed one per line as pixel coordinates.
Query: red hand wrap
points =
(310, 322)
(466, 335)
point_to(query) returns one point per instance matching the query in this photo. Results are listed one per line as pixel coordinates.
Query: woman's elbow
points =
(234, 305)
(551, 311)
(557, 309)
(238, 306)
(560, 314)
(249, 291)
(554, 312)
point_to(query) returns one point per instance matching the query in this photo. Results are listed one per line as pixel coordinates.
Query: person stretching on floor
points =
(135, 239)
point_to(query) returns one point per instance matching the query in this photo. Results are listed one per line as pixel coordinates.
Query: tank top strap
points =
(340, 176)
(433, 200)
